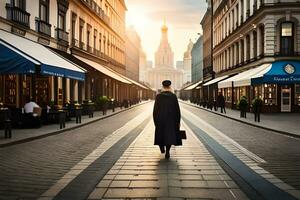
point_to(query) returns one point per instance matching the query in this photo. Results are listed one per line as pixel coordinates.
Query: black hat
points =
(166, 83)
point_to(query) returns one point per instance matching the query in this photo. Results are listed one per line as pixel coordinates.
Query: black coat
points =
(166, 116)
(221, 101)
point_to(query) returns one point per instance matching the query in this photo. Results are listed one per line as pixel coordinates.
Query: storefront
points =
(28, 69)
(277, 84)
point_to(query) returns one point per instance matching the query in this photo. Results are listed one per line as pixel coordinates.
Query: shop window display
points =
(297, 94)
(259, 92)
(270, 94)
(10, 89)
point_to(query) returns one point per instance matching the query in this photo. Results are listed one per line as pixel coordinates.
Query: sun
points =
(138, 18)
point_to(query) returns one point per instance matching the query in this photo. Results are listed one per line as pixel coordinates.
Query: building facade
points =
(197, 60)
(132, 53)
(187, 63)
(90, 35)
(164, 65)
(262, 39)
(143, 66)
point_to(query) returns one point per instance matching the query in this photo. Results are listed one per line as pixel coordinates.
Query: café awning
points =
(193, 85)
(23, 56)
(215, 80)
(103, 70)
(243, 78)
(279, 72)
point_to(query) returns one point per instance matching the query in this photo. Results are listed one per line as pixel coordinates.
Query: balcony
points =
(81, 45)
(97, 10)
(17, 15)
(62, 35)
(43, 27)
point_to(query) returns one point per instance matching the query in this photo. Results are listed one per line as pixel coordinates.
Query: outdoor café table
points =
(5, 119)
(60, 115)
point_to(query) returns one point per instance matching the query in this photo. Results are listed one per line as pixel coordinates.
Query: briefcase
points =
(182, 134)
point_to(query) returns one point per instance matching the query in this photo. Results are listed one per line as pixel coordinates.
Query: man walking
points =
(166, 116)
(221, 102)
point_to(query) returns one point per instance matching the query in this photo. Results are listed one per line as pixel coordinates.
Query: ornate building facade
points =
(257, 44)
(164, 65)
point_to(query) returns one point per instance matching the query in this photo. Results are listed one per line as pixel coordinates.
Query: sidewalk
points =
(25, 135)
(143, 173)
(284, 123)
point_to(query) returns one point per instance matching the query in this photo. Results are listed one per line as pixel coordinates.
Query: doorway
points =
(286, 99)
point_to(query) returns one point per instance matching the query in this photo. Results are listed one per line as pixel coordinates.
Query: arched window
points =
(287, 38)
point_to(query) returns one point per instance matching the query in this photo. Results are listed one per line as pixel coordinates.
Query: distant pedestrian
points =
(166, 116)
(221, 102)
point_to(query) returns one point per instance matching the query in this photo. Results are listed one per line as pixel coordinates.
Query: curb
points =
(248, 123)
(21, 141)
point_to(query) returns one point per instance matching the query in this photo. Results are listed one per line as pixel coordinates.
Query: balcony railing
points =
(43, 27)
(62, 35)
(98, 10)
(17, 15)
(81, 45)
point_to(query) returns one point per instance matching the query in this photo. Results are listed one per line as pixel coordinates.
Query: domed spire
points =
(164, 28)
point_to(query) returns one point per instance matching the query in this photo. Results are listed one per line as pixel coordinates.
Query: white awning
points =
(135, 82)
(50, 62)
(243, 78)
(215, 80)
(193, 86)
(104, 70)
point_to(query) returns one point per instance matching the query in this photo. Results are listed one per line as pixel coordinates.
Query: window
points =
(20, 4)
(287, 38)
(73, 25)
(61, 21)
(100, 42)
(270, 94)
(287, 29)
(258, 92)
(44, 10)
(95, 39)
(297, 94)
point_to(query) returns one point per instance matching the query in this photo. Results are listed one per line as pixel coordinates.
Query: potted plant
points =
(52, 104)
(242, 106)
(257, 104)
(103, 103)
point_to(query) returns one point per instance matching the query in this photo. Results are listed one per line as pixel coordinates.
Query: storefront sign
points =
(286, 79)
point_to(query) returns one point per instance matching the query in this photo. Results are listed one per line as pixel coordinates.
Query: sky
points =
(183, 19)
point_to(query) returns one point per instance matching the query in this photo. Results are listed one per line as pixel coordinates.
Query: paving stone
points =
(97, 193)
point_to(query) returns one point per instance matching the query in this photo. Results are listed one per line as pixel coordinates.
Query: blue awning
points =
(279, 72)
(14, 63)
(22, 56)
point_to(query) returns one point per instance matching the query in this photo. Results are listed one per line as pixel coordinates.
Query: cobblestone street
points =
(115, 158)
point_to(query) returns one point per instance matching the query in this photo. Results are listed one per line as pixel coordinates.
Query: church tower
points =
(164, 56)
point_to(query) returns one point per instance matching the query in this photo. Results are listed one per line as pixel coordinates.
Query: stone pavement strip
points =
(143, 173)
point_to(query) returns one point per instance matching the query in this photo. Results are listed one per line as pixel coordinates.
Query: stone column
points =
(245, 48)
(67, 89)
(240, 51)
(75, 90)
(259, 47)
(251, 45)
